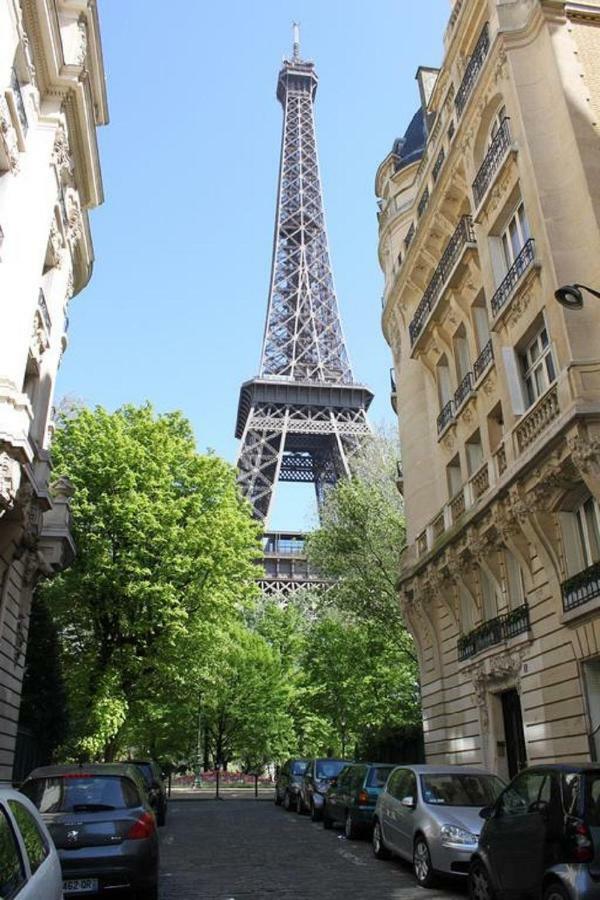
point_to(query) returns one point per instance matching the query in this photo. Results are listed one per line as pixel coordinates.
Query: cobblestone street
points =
(246, 850)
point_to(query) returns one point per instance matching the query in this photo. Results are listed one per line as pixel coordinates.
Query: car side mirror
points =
(487, 812)
(409, 802)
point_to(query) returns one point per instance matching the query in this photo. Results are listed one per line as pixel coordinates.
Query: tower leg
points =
(259, 462)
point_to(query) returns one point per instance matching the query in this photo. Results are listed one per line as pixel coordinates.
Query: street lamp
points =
(570, 295)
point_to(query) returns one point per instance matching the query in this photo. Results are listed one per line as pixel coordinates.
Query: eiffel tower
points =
(303, 418)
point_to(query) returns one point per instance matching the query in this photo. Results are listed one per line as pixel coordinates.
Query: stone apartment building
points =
(488, 205)
(52, 98)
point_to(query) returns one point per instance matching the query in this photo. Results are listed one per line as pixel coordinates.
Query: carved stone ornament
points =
(39, 339)
(74, 221)
(61, 156)
(83, 41)
(10, 478)
(57, 243)
(489, 384)
(8, 137)
(70, 286)
(585, 453)
(31, 518)
(448, 441)
(491, 673)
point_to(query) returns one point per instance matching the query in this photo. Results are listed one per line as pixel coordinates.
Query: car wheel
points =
(350, 828)
(555, 891)
(422, 863)
(480, 886)
(327, 821)
(287, 801)
(379, 848)
(315, 814)
(299, 805)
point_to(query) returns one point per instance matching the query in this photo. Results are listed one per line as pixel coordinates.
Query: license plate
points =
(80, 885)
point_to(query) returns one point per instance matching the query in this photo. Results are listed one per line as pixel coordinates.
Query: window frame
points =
(582, 529)
(34, 865)
(25, 872)
(517, 226)
(532, 365)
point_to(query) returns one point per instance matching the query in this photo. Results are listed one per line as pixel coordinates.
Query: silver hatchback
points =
(429, 815)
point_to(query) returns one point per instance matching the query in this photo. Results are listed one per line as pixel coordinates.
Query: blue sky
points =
(175, 310)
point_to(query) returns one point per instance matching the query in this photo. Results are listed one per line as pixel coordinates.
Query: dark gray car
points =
(317, 779)
(102, 825)
(289, 781)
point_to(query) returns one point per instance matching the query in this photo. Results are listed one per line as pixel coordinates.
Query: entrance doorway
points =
(516, 755)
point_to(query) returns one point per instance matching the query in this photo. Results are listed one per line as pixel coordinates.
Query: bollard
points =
(256, 787)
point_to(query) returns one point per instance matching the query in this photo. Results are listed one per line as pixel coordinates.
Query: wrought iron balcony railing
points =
(446, 416)
(495, 631)
(513, 276)
(483, 360)
(581, 588)
(474, 65)
(491, 163)
(463, 390)
(463, 235)
(423, 202)
(19, 102)
(438, 164)
(409, 236)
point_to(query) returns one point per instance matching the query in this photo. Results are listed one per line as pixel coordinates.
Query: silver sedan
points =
(429, 815)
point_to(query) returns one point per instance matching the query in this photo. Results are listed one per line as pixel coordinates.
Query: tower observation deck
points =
(303, 417)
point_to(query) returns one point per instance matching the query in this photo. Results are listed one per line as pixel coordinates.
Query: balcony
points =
(445, 417)
(393, 394)
(480, 481)
(463, 391)
(483, 361)
(473, 69)
(581, 588)
(493, 632)
(15, 85)
(438, 164)
(423, 202)
(521, 265)
(462, 237)
(409, 236)
(493, 159)
(458, 505)
(535, 422)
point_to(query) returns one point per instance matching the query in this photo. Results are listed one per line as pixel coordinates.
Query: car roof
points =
(425, 769)
(348, 762)
(565, 767)
(91, 769)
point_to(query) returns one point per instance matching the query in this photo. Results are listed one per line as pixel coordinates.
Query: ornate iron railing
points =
(483, 360)
(409, 236)
(423, 202)
(463, 390)
(502, 628)
(438, 164)
(491, 163)
(474, 65)
(463, 235)
(19, 102)
(445, 416)
(537, 420)
(581, 588)
(44, 310)
(513, 276)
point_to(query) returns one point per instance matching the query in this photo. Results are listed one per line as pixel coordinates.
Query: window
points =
(35, 842)
(514, 580)
(467, 622)
(591, 677)
(461, 354)
(515, 236)
(443, 382)
(537, 365)
(489, 596)
(581, 535)
(497, 123)
(525, 790)
(481, 322)
(394, 782)
(461, 790)
(474, 452)
(12, 873)
(80, 790)
(454, 477)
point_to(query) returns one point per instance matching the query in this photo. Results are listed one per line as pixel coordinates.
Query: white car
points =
(29, 864)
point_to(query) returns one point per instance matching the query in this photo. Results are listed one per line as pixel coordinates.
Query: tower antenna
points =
(296, 52)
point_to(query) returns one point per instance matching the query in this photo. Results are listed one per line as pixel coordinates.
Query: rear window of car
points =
(146, 770)
(329, 768)
(81, 793)
(378, 776)
(461, 790)
(299, 767)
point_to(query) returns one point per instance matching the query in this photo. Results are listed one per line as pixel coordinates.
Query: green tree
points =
(166, 552)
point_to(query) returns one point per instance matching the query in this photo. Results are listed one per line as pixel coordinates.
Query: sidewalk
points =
(226, 792)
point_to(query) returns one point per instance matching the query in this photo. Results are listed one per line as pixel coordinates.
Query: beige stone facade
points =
(52, 98)
(497, 385)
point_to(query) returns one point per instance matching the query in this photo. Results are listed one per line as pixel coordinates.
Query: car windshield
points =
(461, 790)
(329, 768)
(378, 776)
(299, 767)
(81, 792)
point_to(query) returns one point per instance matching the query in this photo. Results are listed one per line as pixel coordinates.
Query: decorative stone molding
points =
(39, 339)
(585, 453)
(56, 243)
(8, 137)
(61, 156)
(83, 40)
(10, 479)
(494, 672)
(74, 220)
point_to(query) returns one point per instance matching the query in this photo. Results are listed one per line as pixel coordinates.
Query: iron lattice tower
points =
(303, 418)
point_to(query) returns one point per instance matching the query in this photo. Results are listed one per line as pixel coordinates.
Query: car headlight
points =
(452, 834)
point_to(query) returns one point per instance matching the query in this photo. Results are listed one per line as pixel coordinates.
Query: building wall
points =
(52, 97)
(492, 488)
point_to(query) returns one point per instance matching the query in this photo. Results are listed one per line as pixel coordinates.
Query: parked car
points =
(317, 778)
(429, 815)
(352, 796)
(102, 824)
(289, 781)
(29, 863)
(155, 787)
(542, 837)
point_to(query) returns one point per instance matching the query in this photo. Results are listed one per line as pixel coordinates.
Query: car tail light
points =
(363, 798)
(583, 847)
(143, 828)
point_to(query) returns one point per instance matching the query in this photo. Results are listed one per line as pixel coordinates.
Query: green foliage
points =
(166, 552)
